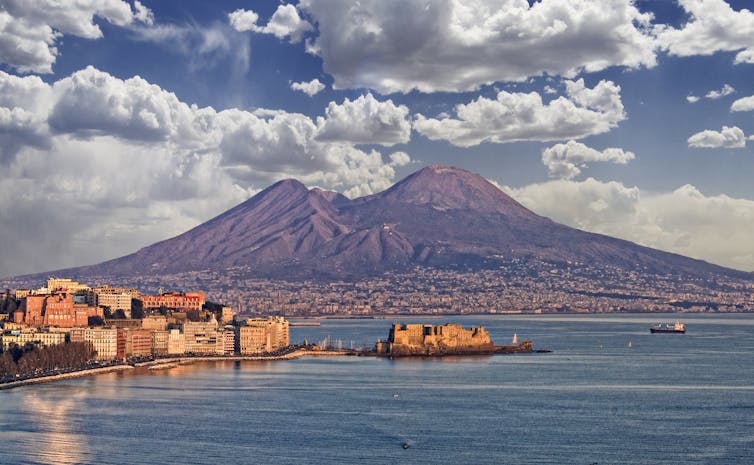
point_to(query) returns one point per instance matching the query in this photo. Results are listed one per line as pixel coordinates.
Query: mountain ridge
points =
(439, 216)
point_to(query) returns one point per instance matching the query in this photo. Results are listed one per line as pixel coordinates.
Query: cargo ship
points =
(677, 328)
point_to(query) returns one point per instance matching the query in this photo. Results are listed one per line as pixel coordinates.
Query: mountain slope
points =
(439, 216)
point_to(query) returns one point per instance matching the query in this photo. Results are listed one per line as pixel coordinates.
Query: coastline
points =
(63, 376)
(168, 363)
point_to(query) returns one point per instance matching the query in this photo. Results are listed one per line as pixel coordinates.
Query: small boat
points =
(669, 328)
(396, 395)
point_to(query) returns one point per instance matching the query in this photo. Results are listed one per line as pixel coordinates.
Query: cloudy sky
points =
(126, 122)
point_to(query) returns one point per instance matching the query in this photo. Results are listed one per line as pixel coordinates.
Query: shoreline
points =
(168, 363)
(64, 376)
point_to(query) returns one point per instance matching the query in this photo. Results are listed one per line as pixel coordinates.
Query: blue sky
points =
(124, 122)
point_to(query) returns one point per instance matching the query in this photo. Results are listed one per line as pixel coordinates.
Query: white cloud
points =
(365, 120)
(399, 159)
(458, 45)
(692, 98)
(713, 26)
(244, 20)
(138, 148)
(566, 160)
(519, 116)
(30, 30)
(23, 113)
(743, 104)
(685, 221)
(716, 94)
(727, 137)
(285, 22)
(310, 88)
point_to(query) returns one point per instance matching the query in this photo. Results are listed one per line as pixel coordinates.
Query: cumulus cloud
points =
(692, 98)
(727, 137)
(23, 113)
(285, 22)
(365, 120)
(310, 88)
(685, 221)
(458, 45)
(743, 104)
(713, 26)
(399, 159)
(244, 20)
(30, 30)
(140, 164)
(524, 116)
(566, 160)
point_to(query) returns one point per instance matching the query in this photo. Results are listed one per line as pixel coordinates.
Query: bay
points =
(609, 393)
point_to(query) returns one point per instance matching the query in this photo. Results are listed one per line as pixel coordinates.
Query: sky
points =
(123, 122)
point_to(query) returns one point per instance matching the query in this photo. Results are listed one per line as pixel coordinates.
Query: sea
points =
(608, 393)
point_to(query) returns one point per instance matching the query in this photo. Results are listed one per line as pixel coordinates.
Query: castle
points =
(419, 339)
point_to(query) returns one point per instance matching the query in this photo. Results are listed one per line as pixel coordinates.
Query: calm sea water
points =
(665, 399)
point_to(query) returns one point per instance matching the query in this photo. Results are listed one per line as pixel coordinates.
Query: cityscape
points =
(376, 232)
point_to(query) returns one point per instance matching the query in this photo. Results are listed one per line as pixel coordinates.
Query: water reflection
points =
(55, 442)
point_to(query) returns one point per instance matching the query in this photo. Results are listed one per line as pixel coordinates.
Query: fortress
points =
(448, 339)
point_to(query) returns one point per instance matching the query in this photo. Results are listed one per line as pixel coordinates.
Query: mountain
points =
(439, 216)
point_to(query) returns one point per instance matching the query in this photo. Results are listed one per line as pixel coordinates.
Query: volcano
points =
(439, 216)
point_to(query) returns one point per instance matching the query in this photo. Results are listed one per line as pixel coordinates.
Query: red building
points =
(174, 300)
(55, 309)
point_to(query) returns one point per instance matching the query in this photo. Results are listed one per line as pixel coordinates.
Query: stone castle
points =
(419, 339)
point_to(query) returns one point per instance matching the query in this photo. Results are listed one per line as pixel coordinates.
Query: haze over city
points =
(126, 123)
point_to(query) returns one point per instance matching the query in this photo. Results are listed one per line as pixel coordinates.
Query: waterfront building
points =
(104, 340)
(137, 342)
(19, 338)
(259, 335)
(176, 342)
(203, 338)
(159, 341)
(229, 340)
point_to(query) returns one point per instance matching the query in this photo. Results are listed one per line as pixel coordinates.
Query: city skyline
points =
(126, 123)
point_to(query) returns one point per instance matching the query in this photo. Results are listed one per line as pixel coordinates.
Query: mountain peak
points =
(450, 188)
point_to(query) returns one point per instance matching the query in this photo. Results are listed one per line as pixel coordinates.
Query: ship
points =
(677, 328)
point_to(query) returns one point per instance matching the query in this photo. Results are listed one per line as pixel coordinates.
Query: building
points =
(229, 340)
(114, 302)
(418, 339)
(21, 293)
(137, 342)
(154, 322)
(104, 340)
(227, 315)
(23, 337)
(176, 342)
(69, 285)
(159, 341)
(173, 300)
(258, 335)
(56, 309)
(203, 338)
